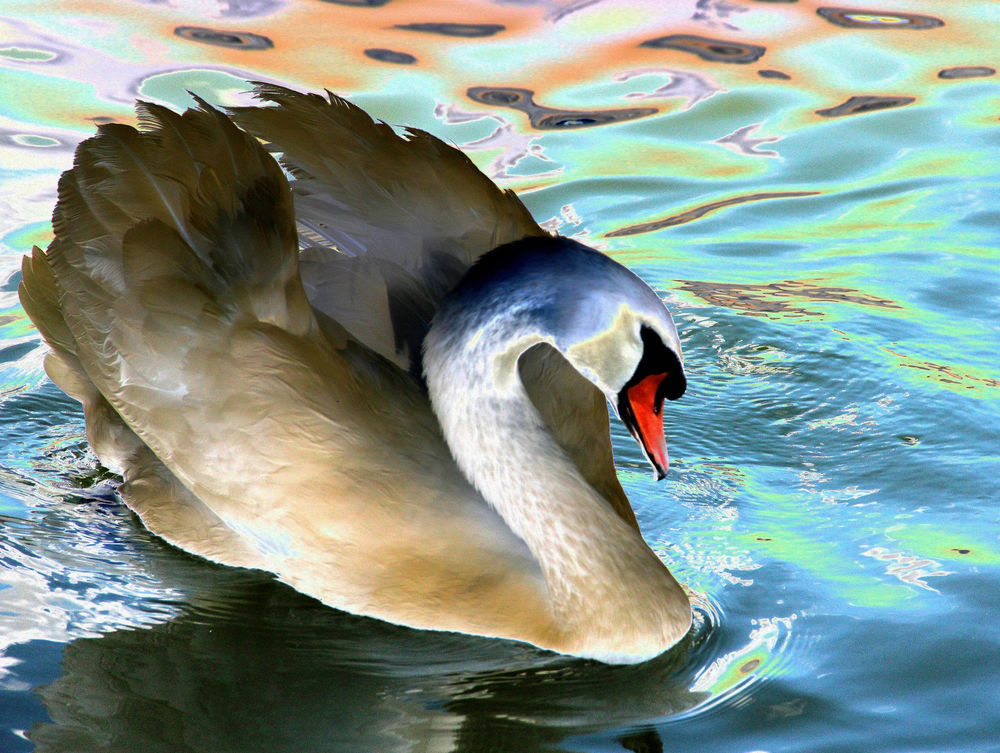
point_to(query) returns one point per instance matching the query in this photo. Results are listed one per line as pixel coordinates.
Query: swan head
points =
(608, 323)
(622, 338)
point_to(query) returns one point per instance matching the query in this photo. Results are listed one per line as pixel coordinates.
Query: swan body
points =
(382, 382)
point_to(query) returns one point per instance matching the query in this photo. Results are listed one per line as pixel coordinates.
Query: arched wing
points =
(172, 301)
(412, 212)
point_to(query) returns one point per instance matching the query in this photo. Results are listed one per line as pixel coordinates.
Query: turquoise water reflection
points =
(822, 220)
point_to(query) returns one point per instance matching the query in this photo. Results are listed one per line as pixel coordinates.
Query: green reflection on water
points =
(26, 54)
(15, 325)
(21, 239)
(813, 541)
(216, 87)
(953, 544)
(851, 62)
(63, 102)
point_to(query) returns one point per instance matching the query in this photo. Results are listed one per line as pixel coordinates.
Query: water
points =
(821, 218)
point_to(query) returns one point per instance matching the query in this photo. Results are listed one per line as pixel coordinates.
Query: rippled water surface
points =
(814, 191)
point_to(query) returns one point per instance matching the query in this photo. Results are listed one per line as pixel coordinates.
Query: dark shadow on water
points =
(244, 40)
(862, 104)
(390, 56)
(455, 29)
(851, 18)
(263, 668)
(967, 71)
(713, 50)
(551, 118)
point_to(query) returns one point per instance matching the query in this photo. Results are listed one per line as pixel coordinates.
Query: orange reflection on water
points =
(943, 373)
(553, 48)
(700, 211)
(779, 299)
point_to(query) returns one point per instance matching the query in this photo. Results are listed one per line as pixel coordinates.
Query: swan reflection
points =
(265, 668)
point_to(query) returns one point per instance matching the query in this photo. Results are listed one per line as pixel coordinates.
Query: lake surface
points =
(813, 191)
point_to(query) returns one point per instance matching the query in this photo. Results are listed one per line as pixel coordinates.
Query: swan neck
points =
(597, 568)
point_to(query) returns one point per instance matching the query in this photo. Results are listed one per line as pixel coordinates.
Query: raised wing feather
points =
(414, 208)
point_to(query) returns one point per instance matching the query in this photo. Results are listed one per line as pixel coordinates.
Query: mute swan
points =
(405, 419)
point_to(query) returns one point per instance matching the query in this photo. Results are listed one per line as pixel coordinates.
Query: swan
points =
(370, 373)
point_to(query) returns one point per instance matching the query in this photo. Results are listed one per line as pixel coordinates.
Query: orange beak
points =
(644, 418)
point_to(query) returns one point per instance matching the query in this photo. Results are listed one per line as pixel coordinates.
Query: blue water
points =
(831, 503)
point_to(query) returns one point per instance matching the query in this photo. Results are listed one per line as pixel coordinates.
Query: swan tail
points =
(151, 490)
(111, 439)
(416, 210)
(40, 300)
